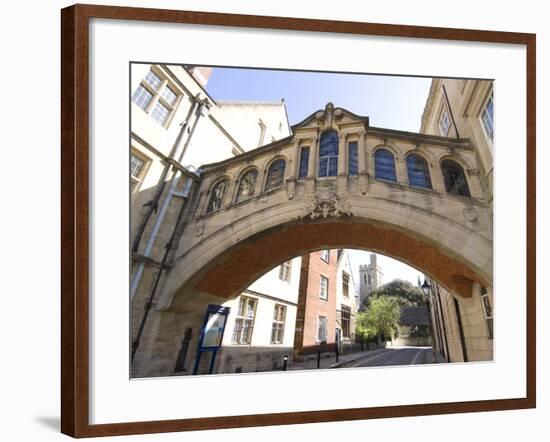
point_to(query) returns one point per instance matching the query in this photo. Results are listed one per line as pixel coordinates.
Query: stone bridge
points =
(336, 182)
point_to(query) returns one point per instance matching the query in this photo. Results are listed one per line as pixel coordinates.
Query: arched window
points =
(247, 185)
(328, 154)
(216, 196)
(384, 165)
(275, 174)
(417, 169)
(454, 177)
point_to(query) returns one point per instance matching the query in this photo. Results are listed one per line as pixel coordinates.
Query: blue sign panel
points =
(211, 333)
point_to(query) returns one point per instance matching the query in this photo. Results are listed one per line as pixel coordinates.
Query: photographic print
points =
(285, 220)
(306, 205)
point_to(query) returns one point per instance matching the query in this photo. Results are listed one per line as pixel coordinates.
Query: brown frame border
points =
(74, 219)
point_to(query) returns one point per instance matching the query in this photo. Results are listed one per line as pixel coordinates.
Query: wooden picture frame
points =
(75, 219)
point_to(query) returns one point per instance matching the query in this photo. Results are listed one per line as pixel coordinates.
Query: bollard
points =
(319, 357)
(337, 352)
(285, 361)
(362, 344)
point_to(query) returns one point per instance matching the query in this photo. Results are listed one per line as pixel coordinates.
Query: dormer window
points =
(444, 123)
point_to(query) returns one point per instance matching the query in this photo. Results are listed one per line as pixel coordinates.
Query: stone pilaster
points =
(362, 160)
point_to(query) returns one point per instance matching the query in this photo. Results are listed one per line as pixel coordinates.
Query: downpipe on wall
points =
(201, 111)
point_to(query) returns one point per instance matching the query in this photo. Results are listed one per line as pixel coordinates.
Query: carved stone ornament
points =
(327, 203)
(470, 214)
(291, 189)
(219, 172)
(363, 183)
(199, 230)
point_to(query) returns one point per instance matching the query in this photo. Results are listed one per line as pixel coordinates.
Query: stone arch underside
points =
(228, 272)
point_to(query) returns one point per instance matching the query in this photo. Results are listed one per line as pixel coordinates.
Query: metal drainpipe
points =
(162, 181)
(202, 110)
(443, 323)
(149, 303)
(450, 110)
(461, 330)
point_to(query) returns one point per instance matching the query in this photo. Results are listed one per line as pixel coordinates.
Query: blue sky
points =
(390, 102)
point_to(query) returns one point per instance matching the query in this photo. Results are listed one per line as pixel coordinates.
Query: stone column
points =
(474, 183)
(436, 175)
(293, 169)
(362, 160)
(313, 153)
(295, 158)
(312, 166)
(362, 153)
(227, 199)
(342, 154)
(342, 175)
(401, 171)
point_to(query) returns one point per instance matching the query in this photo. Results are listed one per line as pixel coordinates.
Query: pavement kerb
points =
(356, 358)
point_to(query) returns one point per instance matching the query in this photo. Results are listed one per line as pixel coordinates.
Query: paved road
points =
(394, 356)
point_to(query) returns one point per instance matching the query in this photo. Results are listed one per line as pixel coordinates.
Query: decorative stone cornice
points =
(325, 202)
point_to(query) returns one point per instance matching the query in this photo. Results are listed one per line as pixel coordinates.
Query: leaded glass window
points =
(419, 174)
(346, 314)
(160, 113)
(328, 154)
(136, 164)
(216, 196)
(275, 175)
(322, 331)
(247, 185)
(353, 162)
(323, 287)
(487, 117)
(244, 322)
(136, 168)
(454, 177)
(304, 163)
(488, 310)
(142, 97)
(384, 165)
(169, 95)
(278, 326)
(345, 284)
(284, 271)
(153, 79)
(444, 123)
(157, 97)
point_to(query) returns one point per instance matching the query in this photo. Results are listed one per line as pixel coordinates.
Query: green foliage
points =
(405, 293)
(362, 329)
(383, 314)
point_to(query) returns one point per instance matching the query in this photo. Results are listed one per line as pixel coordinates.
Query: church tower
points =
(370, 276)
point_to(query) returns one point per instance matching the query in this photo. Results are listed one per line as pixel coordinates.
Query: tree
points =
(382, 316)
(405, 293)
(362, 328)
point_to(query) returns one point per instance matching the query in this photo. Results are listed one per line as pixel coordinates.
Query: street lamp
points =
(426, 289)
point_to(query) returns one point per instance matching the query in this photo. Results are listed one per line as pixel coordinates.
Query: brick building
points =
(326, 304)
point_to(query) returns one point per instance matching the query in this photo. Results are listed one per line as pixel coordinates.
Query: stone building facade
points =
(347, 298)
(463, 326)
(331, 181)
(176, 127)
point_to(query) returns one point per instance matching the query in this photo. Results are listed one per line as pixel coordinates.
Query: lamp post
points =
(426, 287)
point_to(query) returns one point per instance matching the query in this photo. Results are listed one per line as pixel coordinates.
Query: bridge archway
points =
(220, 252)
(449, 255)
